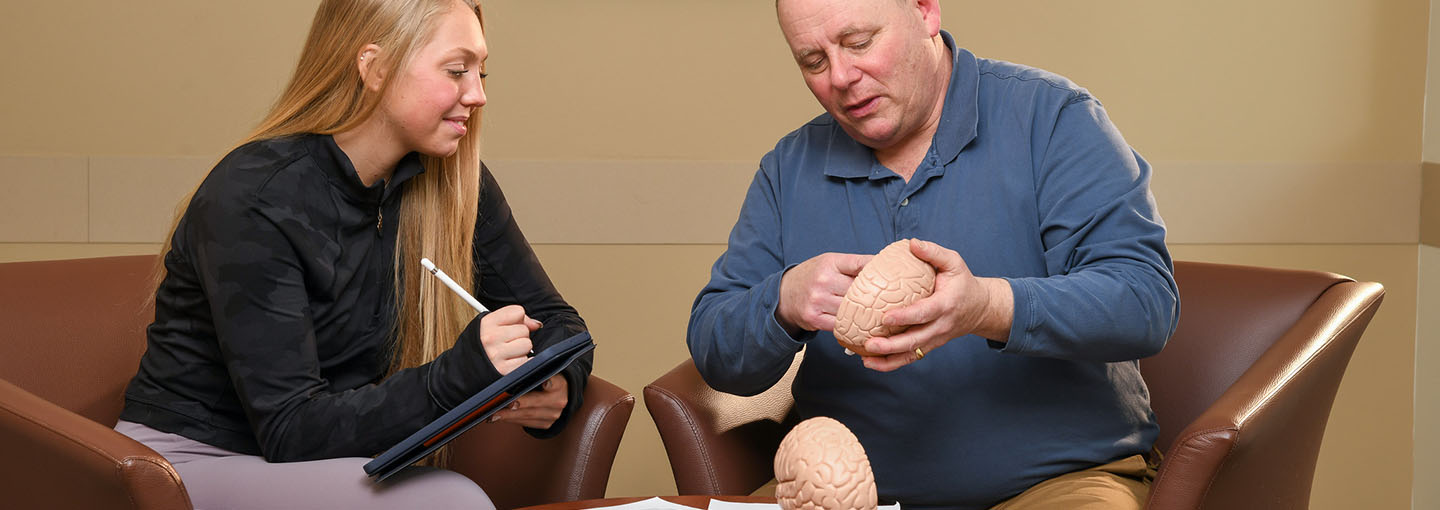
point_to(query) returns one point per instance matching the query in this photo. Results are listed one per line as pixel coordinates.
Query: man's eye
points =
(815, 65)
(861, 45)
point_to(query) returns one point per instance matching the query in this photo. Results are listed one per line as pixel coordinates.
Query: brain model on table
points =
(821, 465)
(894, 278)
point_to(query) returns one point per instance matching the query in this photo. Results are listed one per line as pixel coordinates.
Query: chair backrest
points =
(1242, 392)
(1243, 389)
(718, 443)
(72, 333)
(1229, 316)
(74, 330)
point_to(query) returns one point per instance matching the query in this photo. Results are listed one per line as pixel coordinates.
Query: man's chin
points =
(871, 135)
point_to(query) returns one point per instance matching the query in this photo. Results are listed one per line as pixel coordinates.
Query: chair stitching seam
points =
(169, 472)
(1329, 339)
(49, 428)
(118, 469)
(589, 444)
(690, 420)
(1211, 482)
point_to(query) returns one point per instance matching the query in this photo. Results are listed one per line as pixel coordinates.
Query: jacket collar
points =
(342, 172)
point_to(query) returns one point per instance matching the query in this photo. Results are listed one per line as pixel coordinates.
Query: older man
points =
(1017, 384)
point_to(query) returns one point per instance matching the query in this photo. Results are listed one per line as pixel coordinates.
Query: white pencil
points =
(430, 266)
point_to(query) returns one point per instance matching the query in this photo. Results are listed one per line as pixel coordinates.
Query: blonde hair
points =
(326, 95)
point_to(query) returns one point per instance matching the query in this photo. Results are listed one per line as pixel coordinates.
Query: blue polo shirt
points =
(1029, 181)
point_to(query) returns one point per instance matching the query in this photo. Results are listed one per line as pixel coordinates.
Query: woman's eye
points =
(458, 72)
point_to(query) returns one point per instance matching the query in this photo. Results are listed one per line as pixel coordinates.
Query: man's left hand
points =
(540, 408)
(962, 304)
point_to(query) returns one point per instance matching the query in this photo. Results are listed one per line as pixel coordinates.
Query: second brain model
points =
(821, 465)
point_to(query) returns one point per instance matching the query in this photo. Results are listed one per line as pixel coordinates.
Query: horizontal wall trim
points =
(44, 199)
(624, 202)
(131, 200)
(650, 202)
(1289, 202)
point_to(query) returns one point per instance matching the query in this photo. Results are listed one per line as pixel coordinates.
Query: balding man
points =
(1017, 384)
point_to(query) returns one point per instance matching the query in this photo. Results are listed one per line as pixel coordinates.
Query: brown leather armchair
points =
(73, 333)
(1242, 392)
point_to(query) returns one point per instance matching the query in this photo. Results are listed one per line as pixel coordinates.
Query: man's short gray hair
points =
(901, 2)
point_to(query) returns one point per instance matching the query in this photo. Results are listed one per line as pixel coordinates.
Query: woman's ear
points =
(371, 71)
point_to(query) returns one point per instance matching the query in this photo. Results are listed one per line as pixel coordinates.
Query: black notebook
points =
(480, 406)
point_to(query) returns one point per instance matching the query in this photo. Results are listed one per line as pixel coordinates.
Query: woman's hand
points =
(505, 334)
(540, 408)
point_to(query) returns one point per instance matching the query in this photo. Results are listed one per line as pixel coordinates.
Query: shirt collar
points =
(959, 122)
(342, 172)
(960, 117)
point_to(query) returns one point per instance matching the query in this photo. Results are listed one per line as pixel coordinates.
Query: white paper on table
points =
(716, 504)
(648, 504)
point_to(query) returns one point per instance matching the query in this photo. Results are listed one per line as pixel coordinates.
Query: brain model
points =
(821, 465)
(894, 278)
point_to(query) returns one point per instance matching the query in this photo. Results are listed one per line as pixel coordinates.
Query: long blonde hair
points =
(326, 95)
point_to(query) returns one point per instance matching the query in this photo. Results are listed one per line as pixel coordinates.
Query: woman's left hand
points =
(538, 409)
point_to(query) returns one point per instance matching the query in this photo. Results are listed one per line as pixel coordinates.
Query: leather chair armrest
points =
(719, 444)
(516, 469)
(1262, 436)
(59, 459)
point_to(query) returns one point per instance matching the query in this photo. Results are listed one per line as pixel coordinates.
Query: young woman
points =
(295, 334)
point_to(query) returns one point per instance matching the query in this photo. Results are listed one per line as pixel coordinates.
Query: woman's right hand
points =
(505, 334)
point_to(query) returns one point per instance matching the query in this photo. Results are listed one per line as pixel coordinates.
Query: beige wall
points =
(1430, 200)
(1427, 381)
(1283, 134)
(1427, 338)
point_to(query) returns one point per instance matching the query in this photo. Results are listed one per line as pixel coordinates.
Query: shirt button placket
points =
(902, 220)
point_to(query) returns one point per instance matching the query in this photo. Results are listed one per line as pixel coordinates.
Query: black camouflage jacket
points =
(273, 326)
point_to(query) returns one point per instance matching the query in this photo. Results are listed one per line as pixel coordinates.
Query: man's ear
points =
(372, 72)
(930, 15)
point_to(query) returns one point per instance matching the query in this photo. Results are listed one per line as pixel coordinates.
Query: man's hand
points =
(540, 408)
(505, 333)
(810, 293)
(961, 304)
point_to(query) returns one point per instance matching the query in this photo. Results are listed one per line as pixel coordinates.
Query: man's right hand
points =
(810, 293)
(505, 333)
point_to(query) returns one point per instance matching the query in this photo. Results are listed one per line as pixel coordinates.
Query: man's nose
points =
(843, 72)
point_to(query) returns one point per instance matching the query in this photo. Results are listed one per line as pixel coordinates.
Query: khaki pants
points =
(1123, 484)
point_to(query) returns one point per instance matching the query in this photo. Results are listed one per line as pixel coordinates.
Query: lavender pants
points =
(221, 479)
